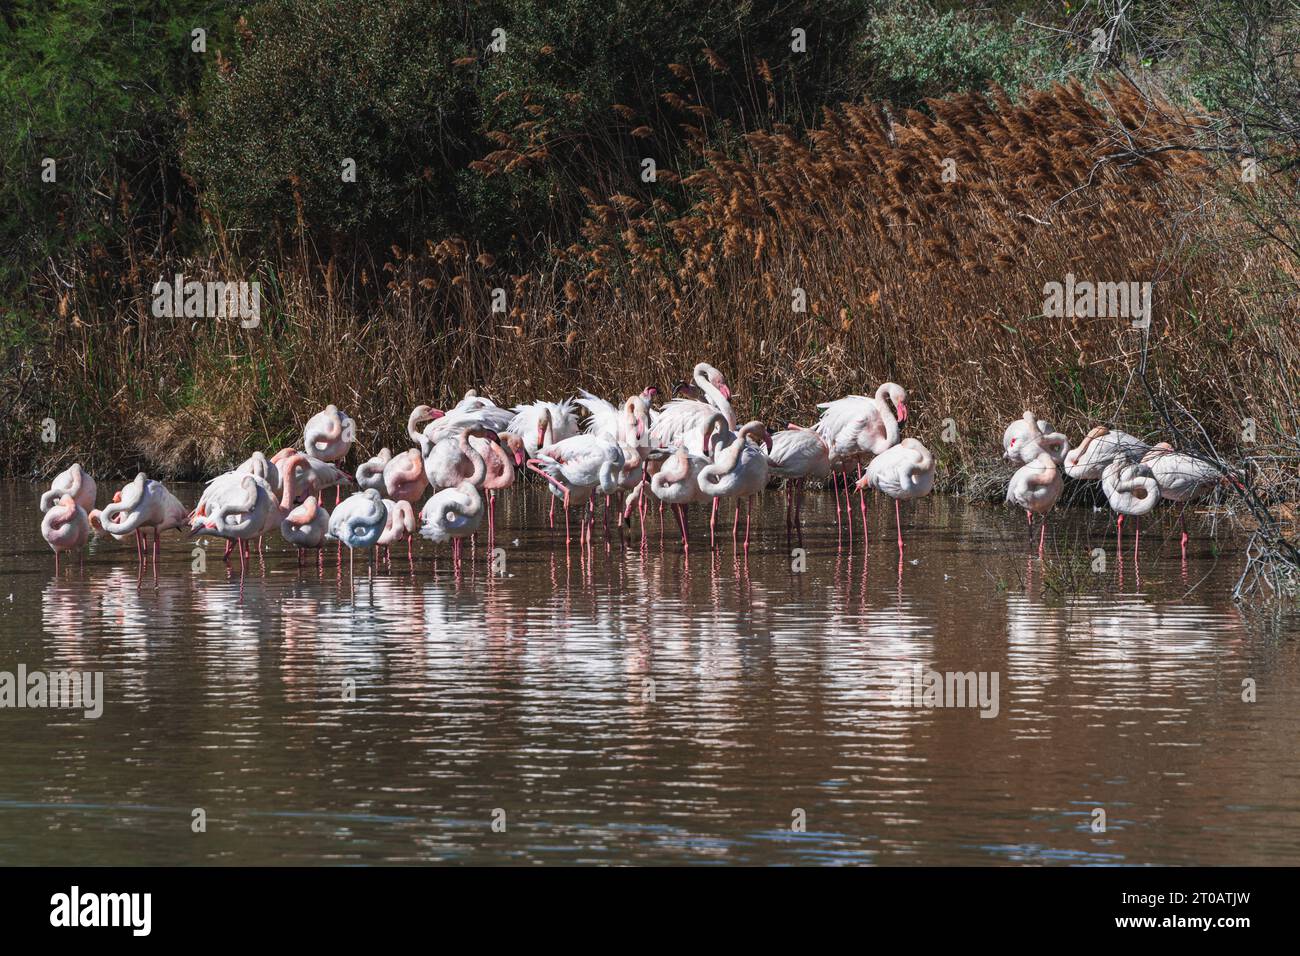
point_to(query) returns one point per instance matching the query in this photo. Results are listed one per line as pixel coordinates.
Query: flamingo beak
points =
(726, 392)
(902, 412)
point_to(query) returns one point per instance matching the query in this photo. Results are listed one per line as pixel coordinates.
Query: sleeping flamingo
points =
(904, 472)
(370, 473)
(145, 504)
(327, 436)
(455, 513)
(358, 521)
(1028, 435)
(1098, 449)
(239, 511)
(404, 478)
(399, 526)
(75, 482)
(306, 526)
(798, 454)
(1183, 478)
(1131, 489)
(739, 470)
(65, 527)
(1035, 487)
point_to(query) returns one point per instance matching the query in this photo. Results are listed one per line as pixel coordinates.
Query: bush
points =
(915, 55)
(94, 85)
(412, 92)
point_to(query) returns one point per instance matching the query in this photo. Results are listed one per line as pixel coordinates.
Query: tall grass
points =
(931, 283)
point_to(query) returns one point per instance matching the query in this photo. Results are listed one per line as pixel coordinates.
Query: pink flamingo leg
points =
(898, 523)
(862, 504)
(1182, 527)
(835, 486)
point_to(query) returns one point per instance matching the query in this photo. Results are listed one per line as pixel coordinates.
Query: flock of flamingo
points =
(687, 452)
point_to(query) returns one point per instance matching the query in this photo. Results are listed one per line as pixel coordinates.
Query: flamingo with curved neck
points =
(306, 526)
(1131, 490)
(739, 470)
(454, 514)
(1035, 487)
(65, 527)
(75, 482)
(904, 472)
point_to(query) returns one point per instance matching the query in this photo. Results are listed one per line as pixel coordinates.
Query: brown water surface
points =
(632, 705)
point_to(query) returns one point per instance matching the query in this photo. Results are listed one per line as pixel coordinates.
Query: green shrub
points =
(324, 80)
(910, 56)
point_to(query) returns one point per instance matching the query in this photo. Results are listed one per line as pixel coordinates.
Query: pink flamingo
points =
(306, 526)
(144, 504)
(75, 482)
(904, 472)
(1035, 488)
(404, 477)
(399, 526)
(739, 470)
(65, 527)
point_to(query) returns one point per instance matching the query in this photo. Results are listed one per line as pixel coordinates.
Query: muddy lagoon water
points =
(632, 704)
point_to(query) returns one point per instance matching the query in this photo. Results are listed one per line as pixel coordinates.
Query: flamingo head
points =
(898, 395)
(637, 410)
(650, 393)
(515, 444)
(717, 380)
(543, 426)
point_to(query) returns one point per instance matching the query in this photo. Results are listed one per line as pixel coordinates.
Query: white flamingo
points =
(576, 468)
(1035, 487)
(739, 470)
(1028, 435)
(683, 415)
(238, 509)
(370, 473)
(904, 472)
(453, 514)
(543, 423)
(357, 522)
(306, 526)
(1130, 490)
(65, 527)
(328, 435)
(1183, 478)
(75, 482)
(797, 455)
(1098, 449)
(145, 504)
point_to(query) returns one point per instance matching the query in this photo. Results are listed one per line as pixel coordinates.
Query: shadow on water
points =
(635, 704)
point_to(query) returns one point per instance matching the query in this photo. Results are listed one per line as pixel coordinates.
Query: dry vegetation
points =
(937, 285)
